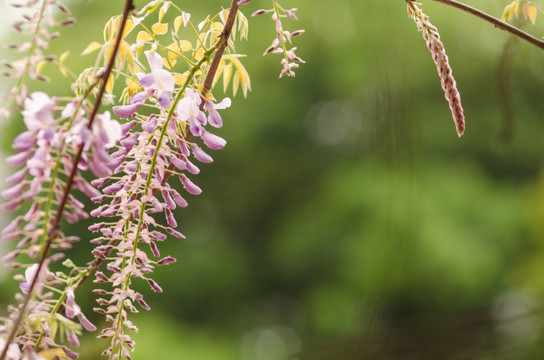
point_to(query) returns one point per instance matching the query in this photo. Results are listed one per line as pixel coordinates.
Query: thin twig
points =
(129, 6)
(225, 37)
(494, 21)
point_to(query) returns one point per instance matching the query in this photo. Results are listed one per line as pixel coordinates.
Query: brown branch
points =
(494, 21)
(225, 35)
(129, 6)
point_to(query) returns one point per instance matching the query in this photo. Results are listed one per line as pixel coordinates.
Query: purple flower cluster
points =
(153, 150)
(436, 47)
(290, 60)
(44, 154)
(33, 24)
(158, 82)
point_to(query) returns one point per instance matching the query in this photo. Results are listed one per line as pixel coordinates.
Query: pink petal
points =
(200, 155)
(154, 286)
(85, 323)
(126, 111)
(225, 103)
(191, 187)
(170, 219)
(18, 159)
(154, 59)
(192, 168)
(24, 141)
(213, 141)
(17, 177)
(15, 191)
(214, 118)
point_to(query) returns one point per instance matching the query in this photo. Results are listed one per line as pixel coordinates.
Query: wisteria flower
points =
(38, 116)
(214, 118)
(13, 353)
(188, 110)
(107, 130)
(38, 112)
(30, 273)
(158, 82)
(213, 141)
(106, 133)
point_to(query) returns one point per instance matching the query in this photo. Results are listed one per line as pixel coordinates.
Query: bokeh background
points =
(345, 219)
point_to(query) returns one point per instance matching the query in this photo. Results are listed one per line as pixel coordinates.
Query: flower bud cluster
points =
(35, 24)
(43, 153)
(42, 326)
(139, 200)
(290, 60)
(435, 45)
(55, 131)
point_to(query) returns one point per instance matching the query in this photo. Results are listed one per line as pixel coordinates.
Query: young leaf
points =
(150, 7)
(532, 13)
(91, 48)
(179, 79)
(39, 66)
(177, 23)
(243, 25)
(227, 75)
(241, 75)
(163, 10)
(143, 37)
(235, 83)
(109, 84)
(159, 28)
(515, 7)
(63, 56)
(507, 13)
(206, 94)
(134, 69)
(525, 10)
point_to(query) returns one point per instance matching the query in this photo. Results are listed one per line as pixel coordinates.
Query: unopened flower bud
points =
(68, 22)
(259, 12)
(154, 286)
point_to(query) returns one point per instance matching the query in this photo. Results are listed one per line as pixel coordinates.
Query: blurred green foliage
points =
(345, 219)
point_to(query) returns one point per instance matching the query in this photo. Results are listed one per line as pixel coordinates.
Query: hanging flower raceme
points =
(44, 153)
(40, 179)
(279, 45)
(154, 151)
(436, 47)
(41, 328)
(36, 26)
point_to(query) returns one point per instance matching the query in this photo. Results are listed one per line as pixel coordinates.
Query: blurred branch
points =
(494, 21)
(502, 77)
